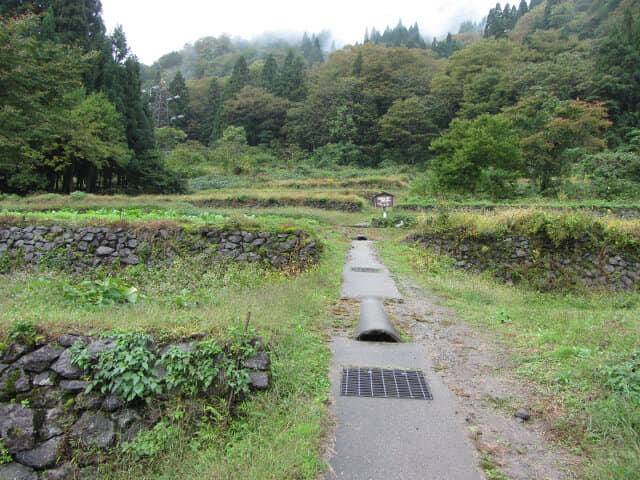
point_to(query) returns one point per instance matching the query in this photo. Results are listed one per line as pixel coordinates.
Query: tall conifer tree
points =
(179, 114)
(269, 74)
(239, 78)
(292, 78)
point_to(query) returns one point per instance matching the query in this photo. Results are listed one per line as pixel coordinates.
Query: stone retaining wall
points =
(513, 258)
(325, 204)
(46, 419)
(81, 248)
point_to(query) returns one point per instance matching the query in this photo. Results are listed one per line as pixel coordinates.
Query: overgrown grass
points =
(562, 343)
(528, 202)
(556, 227)
(136, 218)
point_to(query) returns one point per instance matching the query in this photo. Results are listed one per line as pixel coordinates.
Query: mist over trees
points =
(545, 90)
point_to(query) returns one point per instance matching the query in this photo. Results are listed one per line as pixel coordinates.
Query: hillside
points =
(544, 102)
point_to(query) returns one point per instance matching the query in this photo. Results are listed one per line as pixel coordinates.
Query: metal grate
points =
(366, 269)
(384, 383)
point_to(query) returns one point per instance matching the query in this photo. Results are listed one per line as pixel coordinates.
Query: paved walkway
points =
(366, 284)
(392, 439)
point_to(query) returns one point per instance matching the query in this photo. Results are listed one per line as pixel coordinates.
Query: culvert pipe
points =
(374, 324)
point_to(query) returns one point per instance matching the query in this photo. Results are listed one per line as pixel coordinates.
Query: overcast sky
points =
(157, 27)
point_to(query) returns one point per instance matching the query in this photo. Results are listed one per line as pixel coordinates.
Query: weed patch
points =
(126, 370)
(100, 292)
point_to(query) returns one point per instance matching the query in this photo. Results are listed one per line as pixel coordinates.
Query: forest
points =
(539, 99)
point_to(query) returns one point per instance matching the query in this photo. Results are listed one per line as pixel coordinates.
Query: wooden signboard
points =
(383, 200)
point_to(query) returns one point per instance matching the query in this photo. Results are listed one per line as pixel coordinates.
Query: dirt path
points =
(477, 370)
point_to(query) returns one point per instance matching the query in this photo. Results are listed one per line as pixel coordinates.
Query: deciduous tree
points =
(471, 147)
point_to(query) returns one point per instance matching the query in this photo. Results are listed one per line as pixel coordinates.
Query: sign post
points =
(383, 200)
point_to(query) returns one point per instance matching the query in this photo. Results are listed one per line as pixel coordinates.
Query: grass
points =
(181, 204)
(526, 202)
(274, 434)
(557, 227)
(560, 342)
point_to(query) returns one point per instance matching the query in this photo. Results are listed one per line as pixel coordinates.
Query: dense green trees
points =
(445, 48)
(291, 81)
(618, 64)
(552, 130)
(179, 114)
(269, 75)
(259, 112)
(406, 130)
(482, 152)
(239, 78)
(397, 37)
(72, 114)
(35, 100)
(311, 50)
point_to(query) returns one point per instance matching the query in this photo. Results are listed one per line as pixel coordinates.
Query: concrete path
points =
(392, 439)
(366, 284)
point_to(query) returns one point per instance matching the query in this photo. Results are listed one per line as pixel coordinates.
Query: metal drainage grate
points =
(366, 269)
(384, 383)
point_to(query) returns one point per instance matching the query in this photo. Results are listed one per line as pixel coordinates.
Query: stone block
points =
(40, 359)
(94, 429)
(16, 427)
(43, 456)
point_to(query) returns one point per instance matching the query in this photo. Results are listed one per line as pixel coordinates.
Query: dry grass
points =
(557, 225)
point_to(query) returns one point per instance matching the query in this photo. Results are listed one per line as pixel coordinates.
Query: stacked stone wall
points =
(81, 248)
(513, 258)
(324, 204)
(52, 429)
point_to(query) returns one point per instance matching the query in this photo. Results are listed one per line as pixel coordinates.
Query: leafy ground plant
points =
(125, 370)
(624, 377)
(151, 443)
(23, 331)
(100, 292)
(191, 372)
(4, 454)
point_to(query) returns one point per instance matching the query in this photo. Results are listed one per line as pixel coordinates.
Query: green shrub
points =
(393, 220)
(498, 183)
(77, 195)
(421, 187)
(193, 372)
(613, 174)
(23, 331)
(150, 443)
(100, 292)
(187, 159)
(4, 454)
(80, 354)
(127, 369)
(624, 377)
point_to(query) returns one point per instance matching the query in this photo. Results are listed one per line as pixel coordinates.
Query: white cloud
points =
(157, 27)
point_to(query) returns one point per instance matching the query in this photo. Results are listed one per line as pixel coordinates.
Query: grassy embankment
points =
(581, 349)
(275, 434)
